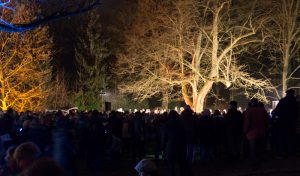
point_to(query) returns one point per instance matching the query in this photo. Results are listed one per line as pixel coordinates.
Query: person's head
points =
(45, 167)
(298, 98)
(290, 93)
(26, 124)
(25, 154)
(173, 115)
(9, 155)
(187, 107)
(146, 168)
(233, 105)
(254, 102)
(10, 111)
(206, 113)
(217, 112)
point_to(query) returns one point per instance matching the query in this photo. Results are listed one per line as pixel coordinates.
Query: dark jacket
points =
(189, 123)
(174, 138)
(286, 110)
(256, 123)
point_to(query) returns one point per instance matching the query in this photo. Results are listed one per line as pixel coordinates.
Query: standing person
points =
(63, 148)
(297, 127)
(219, 141)
(7, 122)
(126, 138)
(255, 128)
(189, 122)
(6, 130)
(233, 120)
(137, 129)
(207, 135)
(10, 167)
(173, 143)
(286, 112)
(95, 141)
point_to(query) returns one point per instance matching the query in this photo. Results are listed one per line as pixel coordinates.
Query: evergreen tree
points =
(91, 55)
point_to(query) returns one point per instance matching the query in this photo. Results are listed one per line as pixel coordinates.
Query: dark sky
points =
(65, 32)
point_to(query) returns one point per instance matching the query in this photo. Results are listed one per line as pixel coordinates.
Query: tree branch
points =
(7, 27)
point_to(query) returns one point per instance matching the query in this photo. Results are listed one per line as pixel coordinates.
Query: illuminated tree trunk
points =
(3, 97)
(285, 67)
(185, 95)
(165, 100)
(200, 97)
(199, 106)
(4, 105)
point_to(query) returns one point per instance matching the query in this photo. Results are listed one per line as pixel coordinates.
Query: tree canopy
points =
(50, 10)
(188, 46)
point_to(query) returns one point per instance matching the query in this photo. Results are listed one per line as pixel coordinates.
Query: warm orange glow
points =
(24, 66)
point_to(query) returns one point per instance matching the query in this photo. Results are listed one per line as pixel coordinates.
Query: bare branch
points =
(7, 27)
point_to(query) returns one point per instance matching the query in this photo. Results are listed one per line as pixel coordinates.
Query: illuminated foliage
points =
(24, 64)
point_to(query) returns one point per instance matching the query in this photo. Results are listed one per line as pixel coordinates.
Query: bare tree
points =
(25, 65)
(58, 94)
(285, 36)
(189, 46)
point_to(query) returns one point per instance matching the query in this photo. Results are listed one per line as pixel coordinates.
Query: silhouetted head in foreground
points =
(146, 168)
(290, 93)
(44, 167)
(25, 154)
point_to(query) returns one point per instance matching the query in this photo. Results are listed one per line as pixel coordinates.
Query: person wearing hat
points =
(146, 168)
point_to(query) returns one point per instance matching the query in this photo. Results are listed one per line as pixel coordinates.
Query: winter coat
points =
(256, 123)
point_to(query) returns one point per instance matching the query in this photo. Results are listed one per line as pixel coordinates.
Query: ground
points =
(270, 167)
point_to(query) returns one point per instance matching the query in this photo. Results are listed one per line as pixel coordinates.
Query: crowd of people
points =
(50, 143)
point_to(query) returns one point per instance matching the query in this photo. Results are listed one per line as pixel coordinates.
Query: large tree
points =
(189, 46)
(91, 55)
(284, 30)
(24, 64)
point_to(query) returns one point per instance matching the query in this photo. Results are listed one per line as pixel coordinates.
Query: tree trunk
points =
(201, 96)
(165, 100)
(185, 95)
(284, 75)
(4, 106)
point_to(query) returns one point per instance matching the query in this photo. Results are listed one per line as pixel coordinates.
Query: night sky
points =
(65, 32)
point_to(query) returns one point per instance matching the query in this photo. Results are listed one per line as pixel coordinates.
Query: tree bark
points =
(201, 96)
(185, 95)
(284, 75)
(165, 100)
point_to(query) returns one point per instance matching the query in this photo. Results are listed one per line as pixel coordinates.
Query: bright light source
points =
(120, 110)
